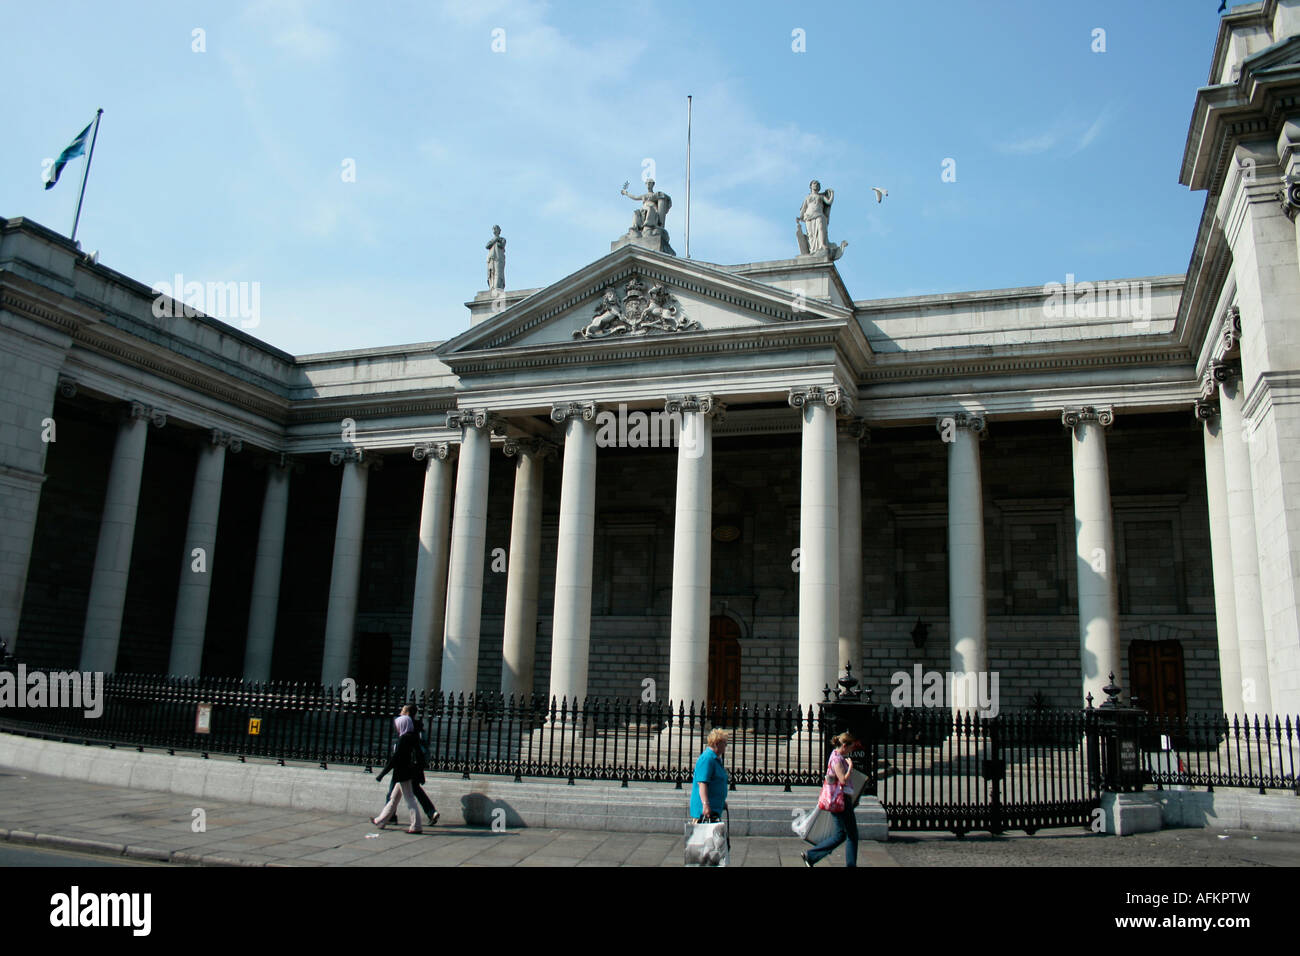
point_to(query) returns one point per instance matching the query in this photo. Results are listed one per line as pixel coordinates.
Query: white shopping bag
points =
(706, 844)
(818, 825)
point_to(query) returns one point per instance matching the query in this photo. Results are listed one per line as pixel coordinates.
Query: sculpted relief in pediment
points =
(642, 311)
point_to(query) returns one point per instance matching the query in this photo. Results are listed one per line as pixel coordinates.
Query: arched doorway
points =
(724, 661)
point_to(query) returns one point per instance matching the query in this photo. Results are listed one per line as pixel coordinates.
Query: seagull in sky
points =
(880, 193)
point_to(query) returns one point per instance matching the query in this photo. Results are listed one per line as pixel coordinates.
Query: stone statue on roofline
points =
(648, 229)
(496, 260)
(815, 215)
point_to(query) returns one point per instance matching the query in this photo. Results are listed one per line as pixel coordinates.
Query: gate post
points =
(1114, 762)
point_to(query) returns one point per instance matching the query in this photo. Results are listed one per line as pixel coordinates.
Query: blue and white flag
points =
(76, 148)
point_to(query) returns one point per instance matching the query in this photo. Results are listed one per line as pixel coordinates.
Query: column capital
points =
(1075, 415)
(1288, 198)
(561, 412)
(139, 411)
(355, 454)
(1231, 329)
(441, 450)
(829, 395)
(532, 447)
(474, 418)
(975, 421)
(1226, 372)
(852, 429)
(227, 441)
(1204, 410)
(1208, 385)
(704, 404)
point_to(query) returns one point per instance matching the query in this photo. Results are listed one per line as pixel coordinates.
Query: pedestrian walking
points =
(404, 763)
(426, 804)
(709, 784)
(707, 842)
(837, 799)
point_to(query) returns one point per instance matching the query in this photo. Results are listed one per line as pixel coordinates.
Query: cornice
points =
(387, 405)
(1255, 105)
(884, 371)
(801, 334)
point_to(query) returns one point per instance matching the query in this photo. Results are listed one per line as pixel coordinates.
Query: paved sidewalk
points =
(138, 824)
(71, 814)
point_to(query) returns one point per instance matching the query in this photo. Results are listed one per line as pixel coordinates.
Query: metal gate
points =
(935, 770)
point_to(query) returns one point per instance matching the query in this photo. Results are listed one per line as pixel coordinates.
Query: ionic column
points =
(519, 642)
(345, 575)
(265, 603)
(819, 543)
(571, 621)
(429, 605)
(1095, 550)
(116, 534)
(1225, 600)
(688, 641)
(967, 622)
(191, 620)
(850, 434)
(468, 544)
(1251, 640)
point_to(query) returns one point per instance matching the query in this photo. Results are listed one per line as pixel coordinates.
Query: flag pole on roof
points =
(86, 175)
(688, 177)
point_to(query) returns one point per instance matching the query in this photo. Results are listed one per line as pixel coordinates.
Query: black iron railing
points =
(931, 768)
(596, 739)
(1212, 750)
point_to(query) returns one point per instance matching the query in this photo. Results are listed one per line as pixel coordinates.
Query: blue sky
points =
(227, 165)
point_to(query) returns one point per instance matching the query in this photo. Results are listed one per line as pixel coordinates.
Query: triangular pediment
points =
(637, 294)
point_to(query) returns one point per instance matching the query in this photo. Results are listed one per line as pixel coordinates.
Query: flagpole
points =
(688, 177)
(86, 175)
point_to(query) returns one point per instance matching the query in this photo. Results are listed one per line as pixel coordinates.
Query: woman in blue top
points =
(709, 784)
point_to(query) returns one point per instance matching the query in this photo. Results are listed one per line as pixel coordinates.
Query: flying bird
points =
(880, 193)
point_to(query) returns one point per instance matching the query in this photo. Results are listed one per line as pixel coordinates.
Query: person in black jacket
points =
(425, 803)
(405, 763)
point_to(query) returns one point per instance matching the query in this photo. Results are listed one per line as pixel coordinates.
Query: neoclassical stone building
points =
(725, 479)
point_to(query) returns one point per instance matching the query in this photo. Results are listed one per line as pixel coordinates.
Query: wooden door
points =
(724, 661)
(1156, 671)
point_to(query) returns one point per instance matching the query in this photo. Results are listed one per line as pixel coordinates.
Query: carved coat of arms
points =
(641, 312)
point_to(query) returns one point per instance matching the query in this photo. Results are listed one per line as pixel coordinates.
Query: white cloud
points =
(1063, 133)
(286, 23)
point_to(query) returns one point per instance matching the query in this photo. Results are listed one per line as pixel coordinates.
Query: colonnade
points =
(448, 591)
